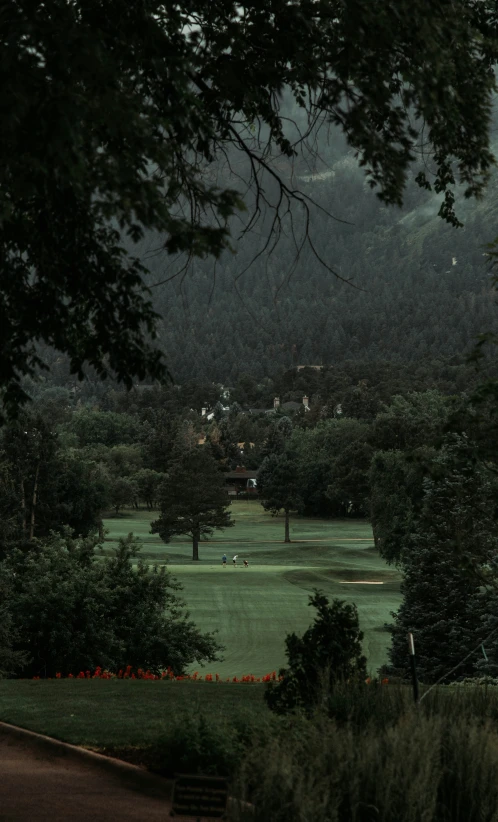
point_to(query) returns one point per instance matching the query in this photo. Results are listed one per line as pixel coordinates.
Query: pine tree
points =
(279, 486)
(449, 560)
(194, 500)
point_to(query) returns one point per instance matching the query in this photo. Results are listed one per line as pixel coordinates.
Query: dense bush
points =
(328, 653)
(195, 745)
(70, 610)
(10, 661)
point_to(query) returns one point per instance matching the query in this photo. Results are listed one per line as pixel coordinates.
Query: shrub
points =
(71, 610)
(328, 653)
(11, 661)
(194, 745)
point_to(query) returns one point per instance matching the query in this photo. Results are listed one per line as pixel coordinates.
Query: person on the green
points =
(224, 560)
(234, 560)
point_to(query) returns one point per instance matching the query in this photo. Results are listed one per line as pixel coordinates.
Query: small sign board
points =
(199, 797)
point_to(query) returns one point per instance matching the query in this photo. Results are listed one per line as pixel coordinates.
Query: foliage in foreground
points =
(421, 770)
(196, 744)
(329, 652)
(72, 610)
(374, 759)
(378, 760)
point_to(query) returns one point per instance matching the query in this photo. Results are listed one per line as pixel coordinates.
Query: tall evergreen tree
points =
(193, 499)
(449, 559)
(396, 494)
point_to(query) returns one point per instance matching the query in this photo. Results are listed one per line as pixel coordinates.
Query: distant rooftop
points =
(241, 474)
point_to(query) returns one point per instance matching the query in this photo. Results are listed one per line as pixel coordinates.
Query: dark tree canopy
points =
(67, 609)
(112, 113)
(279, 485)
(193, 499)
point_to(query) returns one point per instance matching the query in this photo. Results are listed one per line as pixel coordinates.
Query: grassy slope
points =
(115, 713)
(253, 609)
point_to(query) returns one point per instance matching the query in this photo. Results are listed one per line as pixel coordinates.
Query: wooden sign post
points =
(199, 797)
(411, 649)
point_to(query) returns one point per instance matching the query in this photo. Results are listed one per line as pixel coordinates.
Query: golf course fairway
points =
(254, 608)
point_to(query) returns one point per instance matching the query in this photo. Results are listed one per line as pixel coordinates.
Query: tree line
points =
(418, 462)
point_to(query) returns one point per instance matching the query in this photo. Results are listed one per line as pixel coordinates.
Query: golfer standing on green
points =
(224, 560)
(234, 560)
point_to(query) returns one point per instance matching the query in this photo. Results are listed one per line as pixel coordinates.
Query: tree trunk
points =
(33, 504)
(23, 509)
(101, 531)
(195, 545)
(287, 537)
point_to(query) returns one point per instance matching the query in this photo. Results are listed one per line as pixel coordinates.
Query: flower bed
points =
(168, 674)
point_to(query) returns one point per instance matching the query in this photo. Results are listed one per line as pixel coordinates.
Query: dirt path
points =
(36, 785)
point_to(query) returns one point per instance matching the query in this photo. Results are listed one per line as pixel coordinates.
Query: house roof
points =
(291, 406)
(241, 475)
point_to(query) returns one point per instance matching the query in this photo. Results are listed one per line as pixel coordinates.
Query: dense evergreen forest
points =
(419, 289)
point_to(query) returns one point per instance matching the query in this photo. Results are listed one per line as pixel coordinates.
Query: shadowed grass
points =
(103, 713)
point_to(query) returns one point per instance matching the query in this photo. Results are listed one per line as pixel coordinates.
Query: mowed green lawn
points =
(254, 609)
(116, 713)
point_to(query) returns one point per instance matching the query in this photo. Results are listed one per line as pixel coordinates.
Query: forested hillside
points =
(420, 288)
